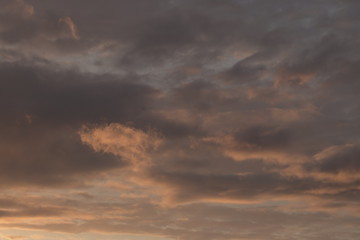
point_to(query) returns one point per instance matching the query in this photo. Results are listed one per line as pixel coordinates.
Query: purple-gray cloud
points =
(202, 119)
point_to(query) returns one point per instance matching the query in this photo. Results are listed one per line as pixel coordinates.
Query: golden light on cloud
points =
(71, 27)
(123, 141)
(186, 120)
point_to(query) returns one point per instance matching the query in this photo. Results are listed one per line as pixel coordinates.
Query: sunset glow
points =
(179, 120)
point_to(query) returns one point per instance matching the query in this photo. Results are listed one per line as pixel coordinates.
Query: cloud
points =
(126, 142)
(71, 26)
(24, 29)
(40, 144)
(339, 158)
(335, 164)
(16, 8)
(179, 119)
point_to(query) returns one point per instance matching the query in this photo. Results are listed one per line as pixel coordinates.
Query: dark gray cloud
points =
(66, 97)
(43, 110)
(264, 137)
(251, 106)
(338, 159)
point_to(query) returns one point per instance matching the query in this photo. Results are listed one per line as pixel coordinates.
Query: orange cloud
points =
(126, 142)
(70, 26)
(17, 7)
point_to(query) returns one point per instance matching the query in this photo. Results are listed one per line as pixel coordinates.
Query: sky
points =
(179, 120)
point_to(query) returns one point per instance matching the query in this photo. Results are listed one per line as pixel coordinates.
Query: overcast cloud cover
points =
(179, 120)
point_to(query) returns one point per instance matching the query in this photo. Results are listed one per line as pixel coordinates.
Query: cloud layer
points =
(180, 120)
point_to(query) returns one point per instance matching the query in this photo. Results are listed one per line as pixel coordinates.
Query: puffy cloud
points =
(125, 142)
